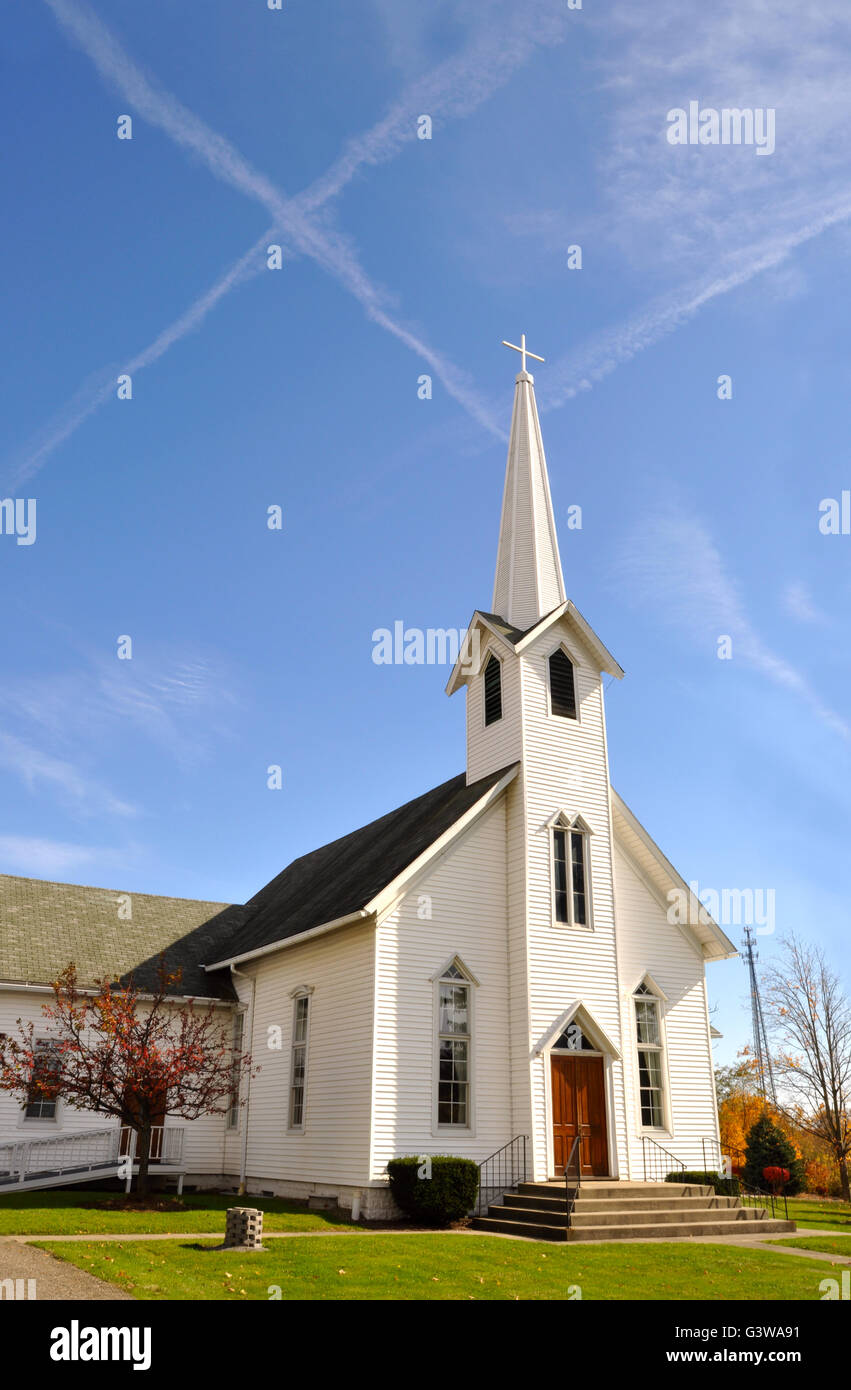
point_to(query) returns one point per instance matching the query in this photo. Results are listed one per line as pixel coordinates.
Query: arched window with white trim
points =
(570, 876)
(651, 1061)
(454, 1040)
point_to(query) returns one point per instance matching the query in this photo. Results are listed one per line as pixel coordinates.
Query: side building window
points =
(493, 690)
(41, 1099)
(298, 1071)
(570, 875)
(236, 1052)
(650, 1073)
(562, 685)
(454, 1037)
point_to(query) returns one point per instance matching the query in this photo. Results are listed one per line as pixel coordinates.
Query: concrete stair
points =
(606, 1210)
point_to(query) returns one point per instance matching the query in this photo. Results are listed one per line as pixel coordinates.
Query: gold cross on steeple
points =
(522, 350)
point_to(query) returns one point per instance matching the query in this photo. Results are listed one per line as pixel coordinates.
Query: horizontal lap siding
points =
(649, 943)
(204, 1142)
(566, 767)
(334, 1147)
(467, 889)
(499, 744)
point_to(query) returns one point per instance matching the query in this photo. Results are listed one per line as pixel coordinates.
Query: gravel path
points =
(54, 1279)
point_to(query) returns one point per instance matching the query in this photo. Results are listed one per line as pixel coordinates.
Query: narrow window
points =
(562, 685)
(493, 690)
(570, 877)
(453, 1050)
(41, 1098)
(649, 1059)
(298, 1077)
(236, 1052)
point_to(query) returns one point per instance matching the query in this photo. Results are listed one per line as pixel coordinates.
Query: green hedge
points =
(447, 1195)
(724, 1187)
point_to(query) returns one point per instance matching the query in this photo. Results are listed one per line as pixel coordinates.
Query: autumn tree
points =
(118, 1051)
(810, 1020)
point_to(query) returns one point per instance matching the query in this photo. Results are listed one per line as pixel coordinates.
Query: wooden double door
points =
(579, 1107)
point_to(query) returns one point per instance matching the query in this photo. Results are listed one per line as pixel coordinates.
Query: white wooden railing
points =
(74, 1156)
(62, 1153)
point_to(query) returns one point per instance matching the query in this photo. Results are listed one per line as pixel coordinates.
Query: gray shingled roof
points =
(342, 877)
(44, 926)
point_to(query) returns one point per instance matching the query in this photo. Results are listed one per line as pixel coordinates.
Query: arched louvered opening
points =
(493, 690)
(562, 685)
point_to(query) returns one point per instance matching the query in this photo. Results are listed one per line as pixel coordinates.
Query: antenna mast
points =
(760, 1039)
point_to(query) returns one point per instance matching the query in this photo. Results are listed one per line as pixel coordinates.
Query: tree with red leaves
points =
(119, 1051)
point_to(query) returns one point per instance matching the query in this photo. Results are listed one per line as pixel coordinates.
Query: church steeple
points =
(529, 581)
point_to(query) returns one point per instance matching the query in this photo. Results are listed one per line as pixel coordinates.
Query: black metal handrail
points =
(571, 1194)
(661, 1160)
(501, 1171)
(756, 1197)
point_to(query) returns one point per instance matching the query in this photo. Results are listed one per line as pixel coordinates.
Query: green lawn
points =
(437, 1267)
(821, 1213)
(829, 1245)
(65, 1213)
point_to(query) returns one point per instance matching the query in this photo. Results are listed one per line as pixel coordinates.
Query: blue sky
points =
(299, 388)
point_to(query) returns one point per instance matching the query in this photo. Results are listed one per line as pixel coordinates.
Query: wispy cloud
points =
(798, 603)
(37, 858)
(674, 564)
(179, 704)
(37, 769)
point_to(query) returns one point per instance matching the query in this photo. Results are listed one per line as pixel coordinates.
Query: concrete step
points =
(610, 1191)
(666, 1216)
(528, 1229)
(679, 1231)
(660, 1203)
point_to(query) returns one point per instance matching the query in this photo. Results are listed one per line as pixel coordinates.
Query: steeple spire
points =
(528, 581)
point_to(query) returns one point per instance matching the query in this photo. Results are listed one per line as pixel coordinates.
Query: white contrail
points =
(580, 371)
(97, 391)
(455, 88)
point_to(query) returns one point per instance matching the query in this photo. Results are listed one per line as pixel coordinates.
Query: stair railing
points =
(756, 1197)
(658, 1161)
(571, 1193)
(501, 1171)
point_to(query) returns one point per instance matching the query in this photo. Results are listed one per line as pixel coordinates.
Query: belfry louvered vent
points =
(562, 686)
(493, 691)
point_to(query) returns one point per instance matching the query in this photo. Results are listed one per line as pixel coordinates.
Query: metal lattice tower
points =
(760, 1039)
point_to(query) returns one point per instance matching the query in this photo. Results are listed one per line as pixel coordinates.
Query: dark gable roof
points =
(44, 926)
(341, 878)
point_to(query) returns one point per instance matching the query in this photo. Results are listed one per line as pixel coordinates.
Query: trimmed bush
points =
(723, 1187)
(447, 1195)
(768, 1147)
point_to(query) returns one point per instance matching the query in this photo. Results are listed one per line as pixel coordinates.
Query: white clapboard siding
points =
(465, 891)
(499, 744)
(648, 943)
(566, 768)
(334, 1144)
(204, 1143)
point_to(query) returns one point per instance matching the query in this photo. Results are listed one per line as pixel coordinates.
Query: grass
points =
(828, 1245)
(821, 1213)
(440, 1267)
(70, 1213)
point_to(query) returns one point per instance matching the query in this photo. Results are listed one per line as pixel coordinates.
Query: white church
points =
(494, 964)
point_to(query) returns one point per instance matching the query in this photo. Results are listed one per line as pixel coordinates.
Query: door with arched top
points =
(579, 1107)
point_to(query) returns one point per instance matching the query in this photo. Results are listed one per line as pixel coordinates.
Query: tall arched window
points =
(562, 685)
(493, 690)
(648, 1033)
(570, 871)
